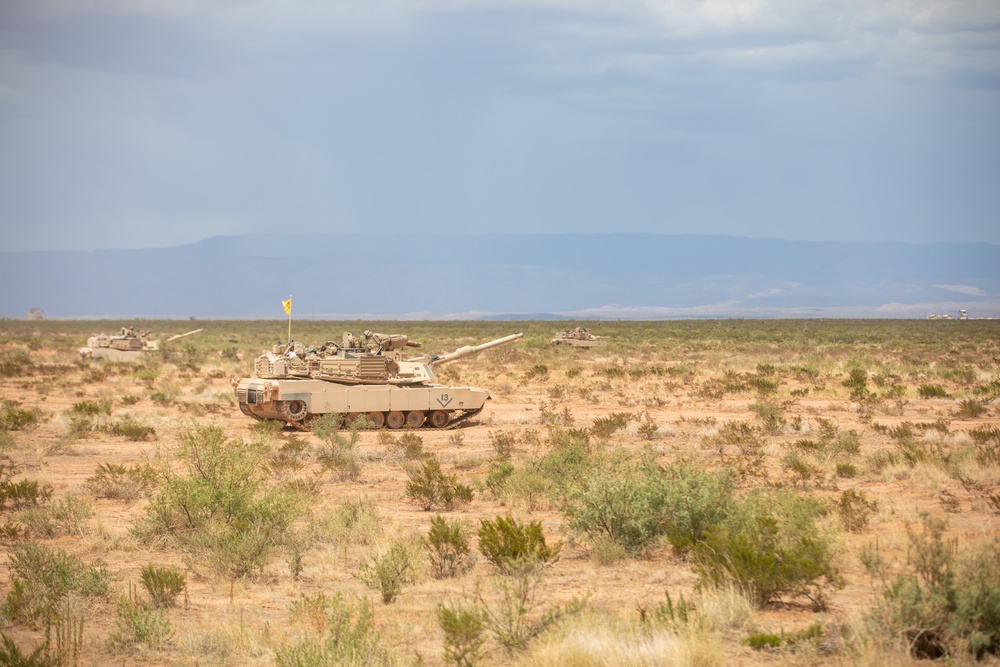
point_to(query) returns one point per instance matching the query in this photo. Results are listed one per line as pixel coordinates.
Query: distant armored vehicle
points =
(360, 376)
(127, 345)
(578, 337)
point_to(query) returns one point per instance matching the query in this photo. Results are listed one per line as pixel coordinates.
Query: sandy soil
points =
(223, 622)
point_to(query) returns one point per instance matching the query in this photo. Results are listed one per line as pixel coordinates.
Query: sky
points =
(152, 123)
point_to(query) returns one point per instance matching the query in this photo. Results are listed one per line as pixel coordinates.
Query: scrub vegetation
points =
(688, 493)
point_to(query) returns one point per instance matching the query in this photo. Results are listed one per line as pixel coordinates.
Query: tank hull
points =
(297, 401)
(575, 342)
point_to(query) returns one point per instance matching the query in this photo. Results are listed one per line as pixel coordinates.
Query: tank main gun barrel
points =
(472, 349)
(183, 335)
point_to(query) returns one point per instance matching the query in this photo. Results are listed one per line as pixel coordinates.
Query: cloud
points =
(963, 289)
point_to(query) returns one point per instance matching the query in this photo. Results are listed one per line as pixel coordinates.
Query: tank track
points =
(304, 424)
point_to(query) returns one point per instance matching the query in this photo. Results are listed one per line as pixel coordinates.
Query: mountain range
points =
(523, 276)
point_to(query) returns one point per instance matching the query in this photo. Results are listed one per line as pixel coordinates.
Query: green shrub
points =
(512, 610)
(945, 605)
(389, 572)
(92, 408)
(741, 435)
(431, 488)
(970, 408)
(130, 428)
(771, 416)
(605, 427)
(989, 391)
(857, 382)
(505, 540)
(769, 546)
(120, 482)
(17, 495)
(11, 655)
(932, 391)
(219, 507)
(762, 640)
(464, 635)
(635, 503)
(356, 522)
(338, 453)
(497, 477)
(410, 446)
(14, 418)
(15, 363)
(66, 516)
(504, 443)
(855, 510)
(447, 544)
(847, 470)
(162, 584)
(344, 635)
(138, 624)
(40, 578)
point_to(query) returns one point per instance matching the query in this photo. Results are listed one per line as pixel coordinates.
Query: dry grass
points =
(689, 379)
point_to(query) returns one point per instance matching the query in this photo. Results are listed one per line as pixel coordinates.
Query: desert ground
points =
(869, 448)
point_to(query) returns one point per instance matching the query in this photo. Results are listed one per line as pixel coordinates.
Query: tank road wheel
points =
(414, 419)
(376, 419)
(440, 418)
(350, 418)
(294, 411)
(395, 419)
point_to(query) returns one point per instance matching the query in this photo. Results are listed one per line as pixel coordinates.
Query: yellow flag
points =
(288, 306)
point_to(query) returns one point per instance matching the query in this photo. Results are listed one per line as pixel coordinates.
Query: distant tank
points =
(127, 345)
(578, 337)
(360, 376)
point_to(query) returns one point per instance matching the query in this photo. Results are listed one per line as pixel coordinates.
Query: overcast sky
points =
(139, 123)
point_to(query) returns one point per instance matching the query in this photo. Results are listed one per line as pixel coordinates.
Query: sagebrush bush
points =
(15, 418)
(932, 391)
(338, 453)
(769, 546)
(344, 634)
(447, 545)
(118, 481)
(464, 635)
(389, 572)
(20, 494)
(138, 623)
(15, 363)
(504, 541)
(40, 578)
(635, 503)
(65, 516)
(970, 408)
(220, 506)
(945, 605)
(855, 510)
(130, 428)
(432, 488)
(162, 584)
(504, 443)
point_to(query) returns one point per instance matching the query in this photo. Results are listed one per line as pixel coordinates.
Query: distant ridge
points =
(501, 276)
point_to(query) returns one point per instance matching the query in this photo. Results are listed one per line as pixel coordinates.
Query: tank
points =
(127, 345)
(364, 375)
(578, 337)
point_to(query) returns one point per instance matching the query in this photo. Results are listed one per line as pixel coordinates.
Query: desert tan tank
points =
(360, 376)
(578, 337)
(127, 345)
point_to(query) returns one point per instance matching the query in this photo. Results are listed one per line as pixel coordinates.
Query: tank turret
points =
(362, 375)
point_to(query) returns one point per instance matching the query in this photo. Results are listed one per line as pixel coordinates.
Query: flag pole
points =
(289, 319)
